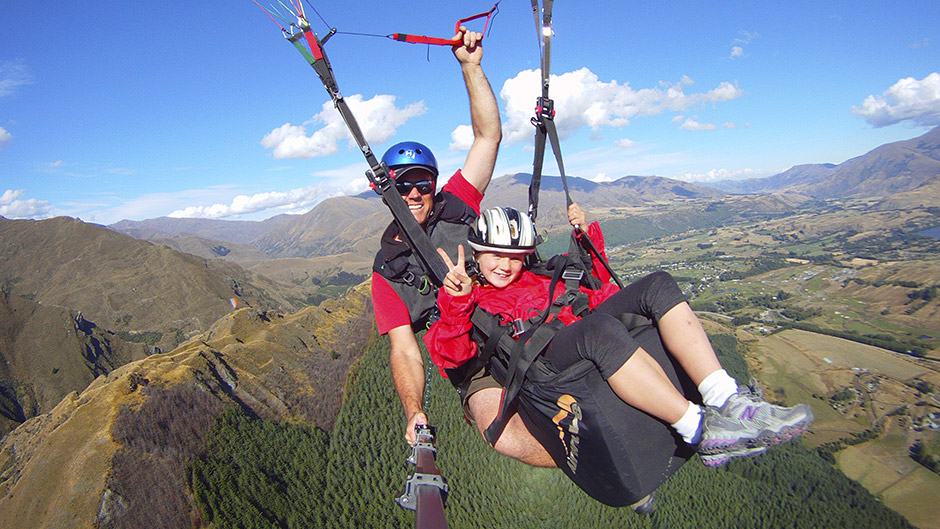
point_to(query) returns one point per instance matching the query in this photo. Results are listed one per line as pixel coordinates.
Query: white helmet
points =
(504, 230)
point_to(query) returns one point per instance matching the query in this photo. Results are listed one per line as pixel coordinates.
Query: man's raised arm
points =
(484, 112)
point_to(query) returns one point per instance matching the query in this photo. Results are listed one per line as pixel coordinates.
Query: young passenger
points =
(732, 421)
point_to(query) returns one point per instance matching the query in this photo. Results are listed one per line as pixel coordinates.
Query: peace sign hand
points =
(456, 283)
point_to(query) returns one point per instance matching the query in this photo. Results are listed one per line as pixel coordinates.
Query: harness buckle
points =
(425, 285)
(572, 273)
(519, 326)
(378, 176)
(409, 278)
(545, 108)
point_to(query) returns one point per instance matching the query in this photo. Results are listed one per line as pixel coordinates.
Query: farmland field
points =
(808, 367)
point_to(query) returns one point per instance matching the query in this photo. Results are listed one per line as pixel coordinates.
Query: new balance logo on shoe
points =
(749, 413)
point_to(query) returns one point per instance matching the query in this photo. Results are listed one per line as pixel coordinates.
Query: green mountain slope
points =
(789, 487)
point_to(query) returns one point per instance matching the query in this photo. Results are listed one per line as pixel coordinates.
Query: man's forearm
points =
(487, 130)
(484, 111)
(408, 376)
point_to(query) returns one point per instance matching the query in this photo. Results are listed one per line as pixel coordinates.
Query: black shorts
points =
(602, 337)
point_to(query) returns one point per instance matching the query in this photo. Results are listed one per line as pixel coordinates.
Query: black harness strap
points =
(524, 352)
(378, 172)
(544, 122)
(544, 111)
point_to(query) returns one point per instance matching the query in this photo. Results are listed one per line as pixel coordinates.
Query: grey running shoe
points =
(747, 425)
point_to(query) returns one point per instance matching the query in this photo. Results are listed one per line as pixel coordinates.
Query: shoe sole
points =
(717, 460)
(646, 505)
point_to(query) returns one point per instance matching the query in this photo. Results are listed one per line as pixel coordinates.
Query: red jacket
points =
(448, 340)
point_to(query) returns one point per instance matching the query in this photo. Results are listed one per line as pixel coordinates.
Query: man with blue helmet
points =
(403, 297)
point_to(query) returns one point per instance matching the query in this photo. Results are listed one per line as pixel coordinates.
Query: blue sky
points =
(114, 111)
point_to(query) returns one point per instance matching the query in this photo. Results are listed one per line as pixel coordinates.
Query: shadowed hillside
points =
(47, 352)
(117, 454)
(124, 284)
(336, 225)
(78, 300)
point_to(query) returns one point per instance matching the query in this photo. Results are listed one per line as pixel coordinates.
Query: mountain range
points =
(341, 224)
(886, 170)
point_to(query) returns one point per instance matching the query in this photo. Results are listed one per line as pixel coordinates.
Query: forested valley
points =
(259, 474)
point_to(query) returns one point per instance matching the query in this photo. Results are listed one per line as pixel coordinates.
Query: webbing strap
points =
(524, 352)
(378, 173)
(523, 357)
(545, 127)
(586, 241)
(544, 122)
(544, 110)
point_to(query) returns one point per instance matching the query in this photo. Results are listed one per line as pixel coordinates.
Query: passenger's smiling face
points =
(500, 269)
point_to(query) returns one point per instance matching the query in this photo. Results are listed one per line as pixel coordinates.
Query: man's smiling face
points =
(410, 185)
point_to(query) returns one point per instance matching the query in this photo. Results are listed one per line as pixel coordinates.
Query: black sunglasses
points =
(404, 187)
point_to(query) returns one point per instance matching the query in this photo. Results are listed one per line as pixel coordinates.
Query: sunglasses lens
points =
(405, 187)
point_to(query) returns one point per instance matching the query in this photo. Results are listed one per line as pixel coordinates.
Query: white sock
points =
(690, 425)
(717, 387)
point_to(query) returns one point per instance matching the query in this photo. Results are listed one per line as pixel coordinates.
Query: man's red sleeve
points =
(390, 310)
(464, 190)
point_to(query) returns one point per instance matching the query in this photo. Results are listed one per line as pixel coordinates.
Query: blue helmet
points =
(408, 155)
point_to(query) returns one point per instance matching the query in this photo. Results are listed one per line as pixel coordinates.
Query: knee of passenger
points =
(663, 283)
(514, 441)
(602, 323)
(504, 443)
(661, 279)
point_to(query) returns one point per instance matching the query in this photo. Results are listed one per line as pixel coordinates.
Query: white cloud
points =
(745, 37)
(462, 138)
(13, 75)
(105, 208)
(715, 175)
(377, 117)
(299, 200)
(13, 207)
(691, 124)
(247, 204)
(582, 99)
(909, 99)
(10, 195)
(625, 143)
(5, 137)
(737, 48)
